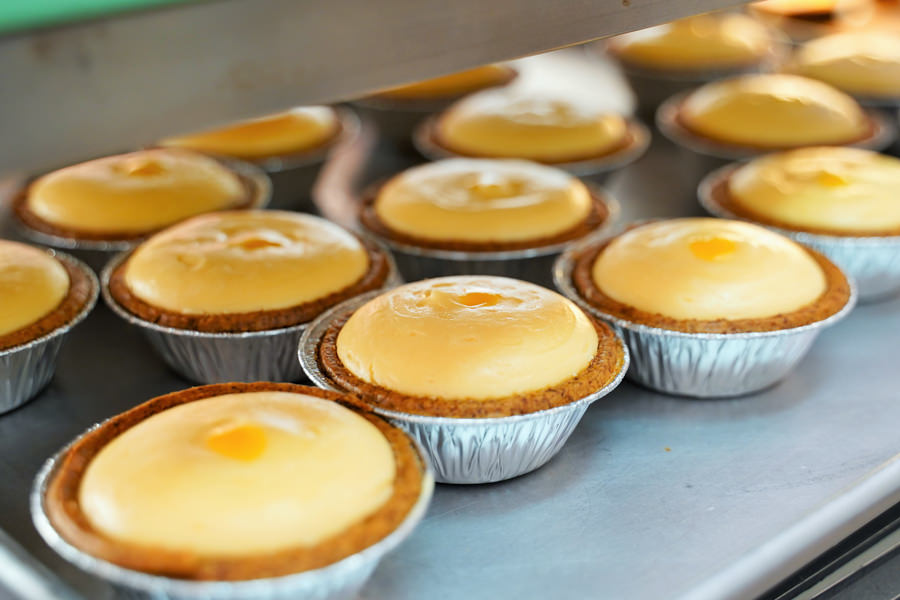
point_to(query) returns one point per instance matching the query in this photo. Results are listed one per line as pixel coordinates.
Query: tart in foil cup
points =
(529, 264)
(467, 451)
(701, 155)
(27, 368)
(341, 580)
(873, 262)
(96, 253)
(597, 170)
(204, 357)
(704, 365)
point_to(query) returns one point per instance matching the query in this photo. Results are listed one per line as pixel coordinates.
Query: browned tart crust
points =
(684, 125)
(377, 274)
(835, 297)
(628, 141)
(32, 221)
(368, 216)
(64, 511)
(80, 289)
(602, 370)
(720, 194)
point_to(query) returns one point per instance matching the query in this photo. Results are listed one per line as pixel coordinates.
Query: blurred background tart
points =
(290, 146)
(663, 60)
(865, 64)
(123, 198)
(571, 132)
(234, 482)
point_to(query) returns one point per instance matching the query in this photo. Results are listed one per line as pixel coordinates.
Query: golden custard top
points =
(831, 188)
(134, 193)
(708, 41)
(239, 474)
(454, 84)
(866, 63)
(483, 200)
(467, 337)
(244, 261)
(800, 8)
(774, 110)
(297, 130)
(698, 268)
(505, 124)
(32, 284)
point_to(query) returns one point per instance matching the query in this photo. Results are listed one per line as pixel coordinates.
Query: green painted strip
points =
(20, 15)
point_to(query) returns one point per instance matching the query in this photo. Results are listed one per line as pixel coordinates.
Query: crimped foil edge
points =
(339, 580)
(29, 367)
(470, 450)
(705, 364)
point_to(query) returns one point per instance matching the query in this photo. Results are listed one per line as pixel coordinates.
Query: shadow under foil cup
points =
(341, 580)
(205, 357)
(596, 170)
(27, 368)
(700, 155)
(704, 365)
(873, 262)
(468, 451)
(96, 253)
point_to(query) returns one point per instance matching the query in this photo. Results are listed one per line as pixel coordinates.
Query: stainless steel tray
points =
(653, 496)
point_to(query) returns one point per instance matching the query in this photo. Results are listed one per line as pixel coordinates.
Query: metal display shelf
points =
(99, 86)
(653, 497)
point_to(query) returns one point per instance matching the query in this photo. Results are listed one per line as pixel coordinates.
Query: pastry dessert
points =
(240, 277)
(840, 201)
(490, 374)
(297, 131)
(865, 64)
(666, 59)
(397, 111)
(234, 482)
(111, 202)
(291, 146)
(708, 306)
(503, 217)
(569, 132)
(44, 295)
(806, 19)
(452, 86)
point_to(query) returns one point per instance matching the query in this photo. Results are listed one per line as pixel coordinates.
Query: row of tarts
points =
(482, 377)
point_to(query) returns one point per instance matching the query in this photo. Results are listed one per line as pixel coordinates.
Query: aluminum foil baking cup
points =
(25, 369)
(873, 262)
(712, 155)
(467, 450)
(202, 357)
(704, 365)
(96, 253)
(396, 121)
(294, 175)
(338, 581)
(530, 264)
(596, 170)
